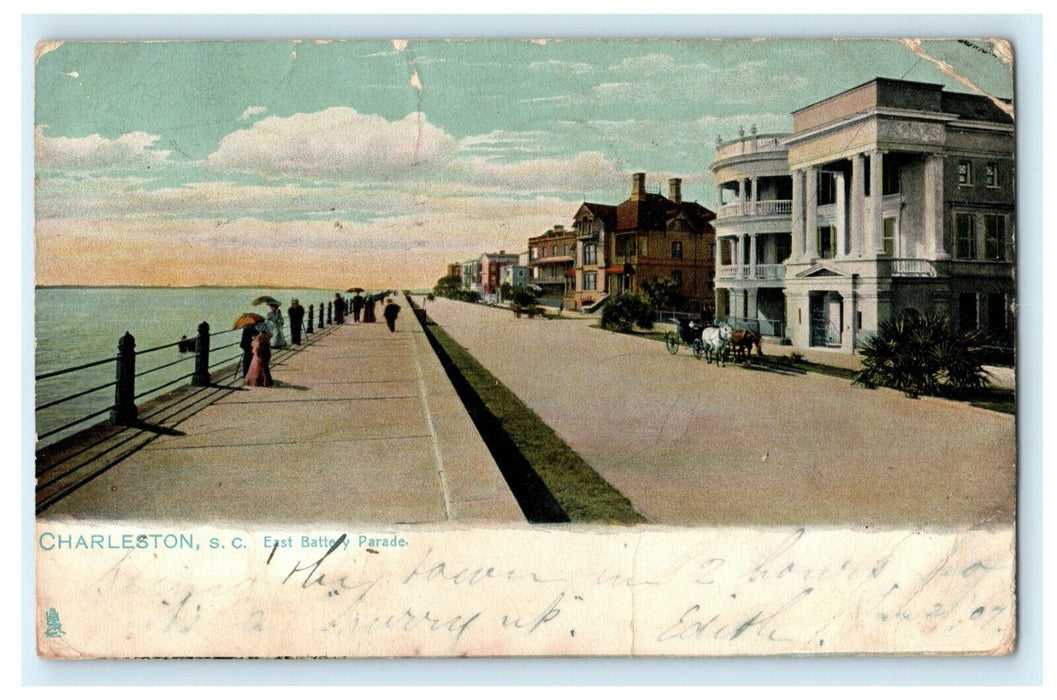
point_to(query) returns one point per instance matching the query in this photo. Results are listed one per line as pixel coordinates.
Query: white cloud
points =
(252, 111)
(336, 142)
(95, 152)
(587, 171)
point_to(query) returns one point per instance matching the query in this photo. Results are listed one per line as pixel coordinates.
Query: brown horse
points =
(742, 342)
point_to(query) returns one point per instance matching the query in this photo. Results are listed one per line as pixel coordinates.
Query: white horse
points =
(715, 341)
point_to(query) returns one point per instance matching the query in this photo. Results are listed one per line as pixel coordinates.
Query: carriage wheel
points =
(671, 342)
(698, 348)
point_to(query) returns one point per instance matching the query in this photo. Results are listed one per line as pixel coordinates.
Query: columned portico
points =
(858, 185)
(811, 221)
(842, 217)
(797, 253)
(876, 222)
(933, 223)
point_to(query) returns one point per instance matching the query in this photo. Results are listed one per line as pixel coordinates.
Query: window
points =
(589, 280)
(967, 311)
(677, 250)
(827, 239)
(994, 237)
(783, 246)
(991, 175)
(589, 254)
(890, 179)
(965, 172)
(996, 311)
(565, 249)
(554, 250)
(827, 188)
(964, 236)
(889, 236)
(677, 277)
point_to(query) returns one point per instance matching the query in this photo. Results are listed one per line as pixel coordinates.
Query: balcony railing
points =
(912, 267)
(766, 207)
(761, 272)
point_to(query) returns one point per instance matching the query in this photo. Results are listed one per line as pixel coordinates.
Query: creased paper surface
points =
(109, 590)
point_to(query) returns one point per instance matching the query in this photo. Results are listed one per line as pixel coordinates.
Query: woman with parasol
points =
(248, 323)
(260, 374)
(357, 303)
(273, 320)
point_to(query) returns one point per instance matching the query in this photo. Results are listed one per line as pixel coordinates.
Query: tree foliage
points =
(922, 355)
(450, 287)
(663, 294)
(625, 311)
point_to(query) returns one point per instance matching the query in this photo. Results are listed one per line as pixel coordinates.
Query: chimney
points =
(675, 192)
(638, 187)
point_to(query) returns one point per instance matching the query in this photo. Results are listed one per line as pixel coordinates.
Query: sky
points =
(374, 163)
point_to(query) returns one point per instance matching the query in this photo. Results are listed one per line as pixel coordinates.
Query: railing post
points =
(124, 411)
(201, 375)
(330, 309)
(311, 319)
(321, 315)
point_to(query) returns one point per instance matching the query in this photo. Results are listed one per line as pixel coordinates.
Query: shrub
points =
(624, 311)
(922, 355)
(523, 297)
(663, 293)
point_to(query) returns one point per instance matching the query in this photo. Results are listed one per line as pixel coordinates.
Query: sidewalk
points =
(362, 426)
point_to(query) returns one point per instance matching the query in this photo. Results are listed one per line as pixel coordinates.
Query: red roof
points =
(615, 270)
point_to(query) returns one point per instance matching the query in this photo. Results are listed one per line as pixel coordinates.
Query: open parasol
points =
(354, 289)
(248, 320)
(265, 300)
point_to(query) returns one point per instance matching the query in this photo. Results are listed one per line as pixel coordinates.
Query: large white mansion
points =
(891, 196)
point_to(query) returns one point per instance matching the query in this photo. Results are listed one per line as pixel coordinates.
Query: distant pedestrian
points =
(391, 311)
(357, 307)
(297, 317)
(274, 321)
(260, 373)
(339, 308)
(368, 309)
(248, 334)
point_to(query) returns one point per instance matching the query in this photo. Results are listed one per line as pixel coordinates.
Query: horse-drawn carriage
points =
(713, 343)
(689, 335)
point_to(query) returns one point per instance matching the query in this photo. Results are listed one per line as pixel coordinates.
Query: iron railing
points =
(130, 386)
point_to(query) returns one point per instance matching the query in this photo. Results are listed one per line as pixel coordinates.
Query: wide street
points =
(693, 444)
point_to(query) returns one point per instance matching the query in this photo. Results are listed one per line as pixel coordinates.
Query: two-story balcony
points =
(550, 260)
(760, 271)
(768, 207)
(919, 267)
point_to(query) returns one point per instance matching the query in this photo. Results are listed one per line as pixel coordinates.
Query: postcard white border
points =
(1024, 667)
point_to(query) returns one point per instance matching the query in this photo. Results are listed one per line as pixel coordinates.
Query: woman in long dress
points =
(274, 322)
(368, 309)
(259, 373)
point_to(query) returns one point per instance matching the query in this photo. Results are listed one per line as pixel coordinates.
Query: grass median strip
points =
(550, 481)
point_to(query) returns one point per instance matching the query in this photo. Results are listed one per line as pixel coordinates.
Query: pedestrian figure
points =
(391, 311)
(357, 307)
(339, 308)
(368, 309)
(274, 322)
(248, 334)
(297, 316)
(260, 373)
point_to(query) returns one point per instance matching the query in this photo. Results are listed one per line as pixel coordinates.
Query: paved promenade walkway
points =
(363, 426)
(692, 443)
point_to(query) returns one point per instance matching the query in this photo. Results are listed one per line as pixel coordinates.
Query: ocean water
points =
(78, 325)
